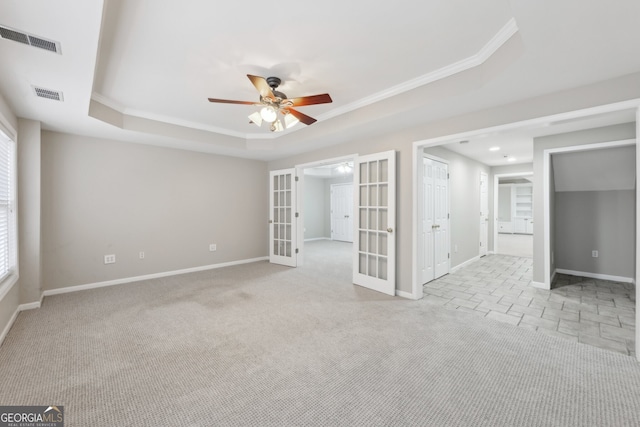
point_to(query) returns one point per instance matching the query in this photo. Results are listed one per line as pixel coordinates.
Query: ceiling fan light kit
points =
(274, 103)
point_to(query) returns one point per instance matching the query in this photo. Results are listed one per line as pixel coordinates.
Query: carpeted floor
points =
(265, 345)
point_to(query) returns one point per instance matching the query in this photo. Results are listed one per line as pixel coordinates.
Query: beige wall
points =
(106, 197)
(591, 136)
(29, 211)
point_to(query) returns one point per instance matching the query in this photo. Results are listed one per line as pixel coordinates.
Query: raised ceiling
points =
(139, 71)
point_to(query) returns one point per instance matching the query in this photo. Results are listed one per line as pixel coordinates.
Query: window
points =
(7, 206)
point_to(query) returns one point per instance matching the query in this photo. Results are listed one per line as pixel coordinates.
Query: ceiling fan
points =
(275, 103)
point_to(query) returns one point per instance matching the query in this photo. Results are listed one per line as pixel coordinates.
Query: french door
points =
(282, 221)
(375, 222)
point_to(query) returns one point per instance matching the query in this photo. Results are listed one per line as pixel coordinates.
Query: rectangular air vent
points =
(29, 39)
(48, 93)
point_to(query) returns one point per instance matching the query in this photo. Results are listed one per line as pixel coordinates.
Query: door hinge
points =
(480, 243)
(447, 175)
(448, 216)
(449, 256)
(297, 179)
(297, 250)
(297, 214)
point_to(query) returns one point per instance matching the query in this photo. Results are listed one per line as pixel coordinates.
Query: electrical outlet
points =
(110, 259)
(213, 247)
(594, 254)
(141, 255)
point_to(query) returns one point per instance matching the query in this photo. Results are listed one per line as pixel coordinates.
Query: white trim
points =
(300, 196)
(464, 264)
(546, 198)
(539, 285)
(149, 276)
(491, 47)
(530, 123)
(10, 323)
(553, 276)
(29, 306)
(404, 294)
(637, 265)
(313, 239)
(595, 275)
(496, 42)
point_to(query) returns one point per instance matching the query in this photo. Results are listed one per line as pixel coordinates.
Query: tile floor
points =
(595, 312)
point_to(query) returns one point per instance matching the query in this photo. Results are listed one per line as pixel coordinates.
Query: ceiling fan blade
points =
(302, 117)
(228, 101)
(263, 87)
(311, 100)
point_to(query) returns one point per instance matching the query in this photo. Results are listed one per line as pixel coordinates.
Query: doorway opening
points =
(513, 208)
(326, 206)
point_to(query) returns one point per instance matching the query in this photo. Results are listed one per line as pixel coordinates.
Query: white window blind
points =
(7, 206)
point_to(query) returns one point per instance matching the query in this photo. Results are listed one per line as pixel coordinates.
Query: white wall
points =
(107, 197)
(29, 212)
(314, 208)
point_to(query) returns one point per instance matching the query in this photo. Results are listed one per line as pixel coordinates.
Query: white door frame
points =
(496, 195)
(300, 200)
(546, 179)
(484, 251)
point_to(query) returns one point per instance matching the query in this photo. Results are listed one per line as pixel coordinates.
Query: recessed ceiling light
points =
(494, 149)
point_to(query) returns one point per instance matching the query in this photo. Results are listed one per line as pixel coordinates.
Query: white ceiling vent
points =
(28, 39)
(48, 93)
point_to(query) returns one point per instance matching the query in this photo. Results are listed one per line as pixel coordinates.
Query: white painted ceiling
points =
(141, 71)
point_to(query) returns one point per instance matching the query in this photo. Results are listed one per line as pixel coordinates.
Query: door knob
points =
(389, 230)
(270, 221)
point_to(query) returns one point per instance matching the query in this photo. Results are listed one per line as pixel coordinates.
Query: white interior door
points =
(427, 223)
(484, 213)
(282, 224)
(434, 231)
(375, 207)
(441, 218)
(342, 212)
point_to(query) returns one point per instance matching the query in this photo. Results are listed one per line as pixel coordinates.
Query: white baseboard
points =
(464, 264)
(29, 306)
(539, 285)
(595, 275)
(313, 239)
(553, 276)
(148, 276)
(404, 294)
(10, 323)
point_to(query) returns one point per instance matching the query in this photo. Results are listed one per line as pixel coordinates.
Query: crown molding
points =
(496, 42)
(501, 37)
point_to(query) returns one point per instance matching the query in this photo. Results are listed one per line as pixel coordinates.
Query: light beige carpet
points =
(264, 345)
